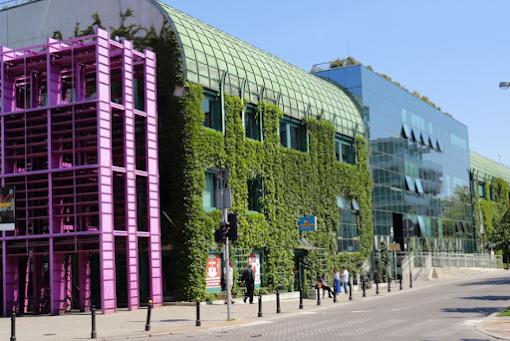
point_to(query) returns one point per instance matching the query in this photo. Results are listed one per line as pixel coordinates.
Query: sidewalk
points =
(498, 327)
(172, 319)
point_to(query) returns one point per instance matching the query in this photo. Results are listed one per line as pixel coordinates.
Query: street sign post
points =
(223, 198)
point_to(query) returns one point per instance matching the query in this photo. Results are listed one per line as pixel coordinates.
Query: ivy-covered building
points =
(294, 144)
(419, 163)
(490, 188)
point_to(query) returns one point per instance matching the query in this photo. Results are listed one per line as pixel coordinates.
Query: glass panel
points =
(355, 205)
(410, 184)
(283, 134)
(208, 195)
(419, 187)
(421, 224)
(406, 131)
(340, 202)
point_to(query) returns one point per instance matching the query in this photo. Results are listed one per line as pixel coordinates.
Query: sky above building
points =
(453, 52)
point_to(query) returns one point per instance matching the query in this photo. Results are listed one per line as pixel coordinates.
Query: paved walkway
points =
(498, 327)
(174, 319)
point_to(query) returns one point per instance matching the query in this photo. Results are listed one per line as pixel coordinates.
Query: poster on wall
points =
(254, 261)
(7, 206)
(213, 278)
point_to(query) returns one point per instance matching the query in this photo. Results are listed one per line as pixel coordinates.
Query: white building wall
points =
(31, 24)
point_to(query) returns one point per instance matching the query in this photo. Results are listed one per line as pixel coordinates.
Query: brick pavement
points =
(169, 319)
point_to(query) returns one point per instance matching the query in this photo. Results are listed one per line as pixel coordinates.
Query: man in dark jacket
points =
(249, 279)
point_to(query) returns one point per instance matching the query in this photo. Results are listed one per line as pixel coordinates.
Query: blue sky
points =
(454, 52)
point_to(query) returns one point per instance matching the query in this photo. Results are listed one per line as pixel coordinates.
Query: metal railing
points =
(443, 259)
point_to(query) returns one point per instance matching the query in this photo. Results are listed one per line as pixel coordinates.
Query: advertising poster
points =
(254, 261)
(213, 278)
(7, 208)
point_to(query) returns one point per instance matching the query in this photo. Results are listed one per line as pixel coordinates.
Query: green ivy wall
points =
(295, 184)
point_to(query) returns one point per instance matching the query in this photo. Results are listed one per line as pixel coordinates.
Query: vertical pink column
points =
(38, 282)
(107, 242)
(11, 282)
(84, 281)
(58, 282)
(130, 164)
(156, 284)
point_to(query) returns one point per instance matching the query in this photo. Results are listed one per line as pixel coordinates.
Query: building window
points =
(344, 151)
(254, 195)
(481, 190)
(292, 134)
(208, 197)
(251, 124)
(212, 112)
(348, 225)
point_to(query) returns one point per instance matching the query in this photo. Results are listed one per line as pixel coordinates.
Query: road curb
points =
(480, 326)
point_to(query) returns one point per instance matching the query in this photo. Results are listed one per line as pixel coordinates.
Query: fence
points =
(442, 259)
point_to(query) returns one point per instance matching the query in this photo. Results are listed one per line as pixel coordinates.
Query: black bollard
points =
(300, 298)
(364, 289)
(13, 326)
(318, 296)
(400, 282)
(198, 323)
(334, 296)
(410, 280)
(148, 324)
(389, 284)
(278, 310)
(260, 305)
(377, 287)
(350, 291)
(93, 334)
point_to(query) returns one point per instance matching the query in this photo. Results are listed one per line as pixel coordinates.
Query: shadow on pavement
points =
(484, 311)
(499, 281)
(486, 298)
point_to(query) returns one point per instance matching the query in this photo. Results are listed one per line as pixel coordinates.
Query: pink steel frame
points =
(42, 185)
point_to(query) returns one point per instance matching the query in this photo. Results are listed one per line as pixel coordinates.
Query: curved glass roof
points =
(487, 168)
(207, 52)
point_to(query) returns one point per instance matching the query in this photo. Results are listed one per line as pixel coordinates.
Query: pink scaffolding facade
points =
(79, 145)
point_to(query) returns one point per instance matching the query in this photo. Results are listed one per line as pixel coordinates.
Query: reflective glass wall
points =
(419, 164)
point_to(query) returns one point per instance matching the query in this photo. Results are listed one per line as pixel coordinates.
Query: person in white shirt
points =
(230, 279)
(345, 279)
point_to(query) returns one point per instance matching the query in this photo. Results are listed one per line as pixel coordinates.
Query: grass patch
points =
(504, 313)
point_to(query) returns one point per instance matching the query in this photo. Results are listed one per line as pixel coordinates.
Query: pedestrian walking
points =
(230, 280)
(345, 279)
(249, 280)
(337, 283)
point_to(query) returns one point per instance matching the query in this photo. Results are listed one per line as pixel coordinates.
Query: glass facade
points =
(419, 164)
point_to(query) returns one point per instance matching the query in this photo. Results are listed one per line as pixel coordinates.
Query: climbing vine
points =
(295, 183)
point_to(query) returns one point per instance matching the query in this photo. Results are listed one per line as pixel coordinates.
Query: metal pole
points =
(377, 287)
(401, 282)
(363, 287)
(93, 334)
(227, 264)
(260, 305)
(301, 298)
(350, 291)
(13, 326)
(334, 296)
(410, 279)
(198, 322)
(278, 310)
(148, 324)
(318, 296)
(389, 284)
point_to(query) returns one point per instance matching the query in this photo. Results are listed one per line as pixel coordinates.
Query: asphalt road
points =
(447, 311)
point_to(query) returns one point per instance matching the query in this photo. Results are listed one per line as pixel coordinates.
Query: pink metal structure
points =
(79, 143)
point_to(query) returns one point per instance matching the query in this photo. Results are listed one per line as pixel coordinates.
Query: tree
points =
(501, 235)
